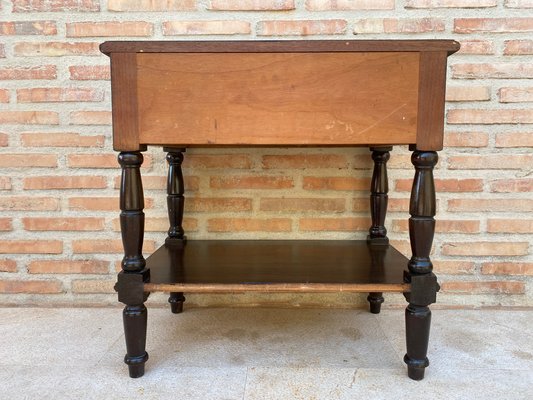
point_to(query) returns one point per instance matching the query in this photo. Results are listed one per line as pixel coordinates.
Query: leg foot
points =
(135, 318)
(375, 299)
(176, 300)
(417, 324)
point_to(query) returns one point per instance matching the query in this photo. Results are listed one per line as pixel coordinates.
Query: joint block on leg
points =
(130, 286)
(424, 288)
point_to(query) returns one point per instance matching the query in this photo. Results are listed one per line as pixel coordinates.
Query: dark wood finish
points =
(124, 102)
(175, 204)
(421, 230)
(134, 273)
(279, 93)
(379, 189)
(278, 46)
(135, 321)
(275, 265)
(282, 98)
(431, 96)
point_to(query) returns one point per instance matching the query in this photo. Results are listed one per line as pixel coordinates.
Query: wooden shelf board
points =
(222, 266)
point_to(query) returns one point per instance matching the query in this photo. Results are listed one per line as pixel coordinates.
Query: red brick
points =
(491, 287)
(6, 224)
(301, 27)
(5, 183)
(217, 204)
(453, 267)
(395, 205)
(107, 246)
(28, 28)
(335, 183)
(31, 246)
(68, 267)
(43, 95)
(445, 185)
(227, 27)
(450, 3)
(506, 225)
(442, 226)
(29, 117)
(109, 28)
(63, 224)
(519, 3)
(4, 96)
(348, 5)
(334, 224)
(514, 139)
(8, 266)
(476, 46)
(55, 5)
(38, 287)
(302, 204)
(397, 161)
(151, 5)
(223, 161)
(93, 286)
(89, 72)
(495, 70)
(4, 139)
(516, 95)
(524, 185)
(361, 204)
(518, 47)
(249, 225)
(23, 203)
(56, 49)
(398, 25)
(95, 161)
(466, 139)
(251, 5)
(490, 205)
(28, 160)
(90, 118)
(496, 161)
(493, 25)
(304, 161)
(60, 139)
(473, 116)
(482, 249)
(507, 268)
(251, 182)
(468, 93)
(64, 182)
(23, 73)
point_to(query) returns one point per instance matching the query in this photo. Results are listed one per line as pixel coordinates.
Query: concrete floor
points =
(263, 354)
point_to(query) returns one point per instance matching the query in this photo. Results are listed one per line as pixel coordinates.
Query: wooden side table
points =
(278, 93)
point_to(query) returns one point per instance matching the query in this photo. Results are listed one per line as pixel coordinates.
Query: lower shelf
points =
(202, 266)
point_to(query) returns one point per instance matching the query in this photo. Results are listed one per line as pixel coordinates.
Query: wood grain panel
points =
(277, 98)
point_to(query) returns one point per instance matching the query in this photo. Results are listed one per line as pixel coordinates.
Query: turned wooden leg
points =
(379, 189)
(175, 204)
(131, 279)
(424, 285)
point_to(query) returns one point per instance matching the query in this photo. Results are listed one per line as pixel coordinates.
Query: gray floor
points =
(263, 354)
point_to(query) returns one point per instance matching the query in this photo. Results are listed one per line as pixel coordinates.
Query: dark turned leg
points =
(130, 283)
(175, 204)
(378, 210)
(424, 285)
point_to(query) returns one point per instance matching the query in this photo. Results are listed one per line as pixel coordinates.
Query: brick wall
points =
(59, 239)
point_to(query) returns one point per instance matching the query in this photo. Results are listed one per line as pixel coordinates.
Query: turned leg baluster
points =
(424, 285)
(175, 204)
(378, 211)
(131, 279)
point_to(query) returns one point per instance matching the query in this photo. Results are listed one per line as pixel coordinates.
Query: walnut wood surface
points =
(275, 265)
(277, 98)
(282, 46)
